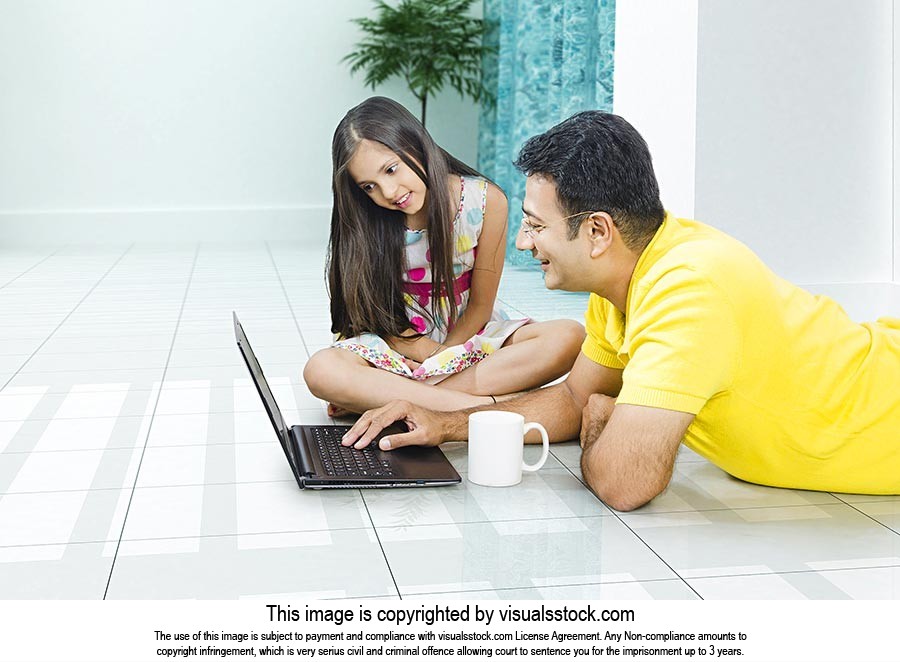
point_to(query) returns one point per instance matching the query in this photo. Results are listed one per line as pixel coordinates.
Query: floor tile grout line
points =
(290, 532)
(862, 512)
(68, 315)
(173, 367)
(609, 512)
(685, 580)
(809, 571)
(620, 582)
(137, 473)
(798, 572)
(615, 514)
(260, 442)
(153, 487)
(570, 518)
(257, 442)
(287, 299)
(657, 555)
(368, 528)
(148, 350)
(172, 388)
(185, 413)
(34, 266)
(387, 563)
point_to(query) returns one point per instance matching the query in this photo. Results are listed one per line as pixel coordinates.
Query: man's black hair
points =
(599, 162)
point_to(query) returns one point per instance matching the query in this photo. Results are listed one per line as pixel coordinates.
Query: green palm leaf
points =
(429, 43)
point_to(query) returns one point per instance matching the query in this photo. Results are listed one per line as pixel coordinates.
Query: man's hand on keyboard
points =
(425, 427)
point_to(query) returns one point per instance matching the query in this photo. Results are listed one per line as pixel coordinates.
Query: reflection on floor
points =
(136, 462)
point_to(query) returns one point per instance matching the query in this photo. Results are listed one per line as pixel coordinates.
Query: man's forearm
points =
(554, 407)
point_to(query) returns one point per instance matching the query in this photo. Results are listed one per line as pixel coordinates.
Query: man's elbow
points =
(624, 501)
(625, 495)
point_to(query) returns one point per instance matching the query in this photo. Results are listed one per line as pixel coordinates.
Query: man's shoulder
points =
(698, 253)
(699, 265)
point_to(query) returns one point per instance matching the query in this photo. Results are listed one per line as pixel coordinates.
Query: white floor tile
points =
(184, 401)
(764, 540)
(703, 486)
(17, 404)
(68, 470)
(243, 508)
(54, 572)
(180, 429)
(90, 362)
(91, 404)
(113, 380)
(850, 584)
(548, 494)
(512, 555)
(662, 589)
(180, 465)
(264, 461)
(8, 431)
(82, 434)
(288, 566)
(42, 518)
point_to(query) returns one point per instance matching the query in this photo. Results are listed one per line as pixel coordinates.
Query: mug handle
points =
(546, 443)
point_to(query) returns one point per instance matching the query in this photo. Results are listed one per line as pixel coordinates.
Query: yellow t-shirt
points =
(787, 390)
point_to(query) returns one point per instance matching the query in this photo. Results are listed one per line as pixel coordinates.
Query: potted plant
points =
(430, 43)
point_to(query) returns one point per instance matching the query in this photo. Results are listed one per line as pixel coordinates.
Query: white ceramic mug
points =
(496, 443)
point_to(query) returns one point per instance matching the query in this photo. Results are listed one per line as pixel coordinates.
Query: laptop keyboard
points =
(344, 461)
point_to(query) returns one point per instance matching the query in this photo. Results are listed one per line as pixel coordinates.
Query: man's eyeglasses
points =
(531, 230)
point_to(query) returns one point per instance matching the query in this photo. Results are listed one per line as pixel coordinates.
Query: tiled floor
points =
(136, 462)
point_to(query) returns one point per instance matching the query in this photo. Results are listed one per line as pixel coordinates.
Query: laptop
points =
(318, 460)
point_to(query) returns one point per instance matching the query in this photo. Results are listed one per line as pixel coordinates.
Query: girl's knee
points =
(324, 372)
(571, 334)
(562, 334)
(565, 339)
(314, 372)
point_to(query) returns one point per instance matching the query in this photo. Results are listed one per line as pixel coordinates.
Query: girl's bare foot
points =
(336, 411)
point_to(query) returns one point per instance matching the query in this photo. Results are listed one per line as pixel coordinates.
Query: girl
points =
(414, 261)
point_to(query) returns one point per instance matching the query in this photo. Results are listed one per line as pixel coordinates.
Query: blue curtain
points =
(554, 58)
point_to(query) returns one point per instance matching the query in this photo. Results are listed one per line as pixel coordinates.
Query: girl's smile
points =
(388, 181)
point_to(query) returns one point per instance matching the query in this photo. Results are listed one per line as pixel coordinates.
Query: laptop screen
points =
(265, 392)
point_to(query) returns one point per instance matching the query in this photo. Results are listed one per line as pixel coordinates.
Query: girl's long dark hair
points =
(366, 257)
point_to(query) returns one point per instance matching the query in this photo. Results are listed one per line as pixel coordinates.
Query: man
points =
(689, 338)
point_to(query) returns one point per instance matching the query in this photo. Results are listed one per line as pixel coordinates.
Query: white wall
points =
(165, 119)
(655, 89)
(896, 165)
(794, 124)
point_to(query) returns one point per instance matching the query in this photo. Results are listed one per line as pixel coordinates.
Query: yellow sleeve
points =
(683, 342)
(598, 323)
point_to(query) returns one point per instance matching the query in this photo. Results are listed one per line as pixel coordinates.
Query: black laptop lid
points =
(262, 386)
